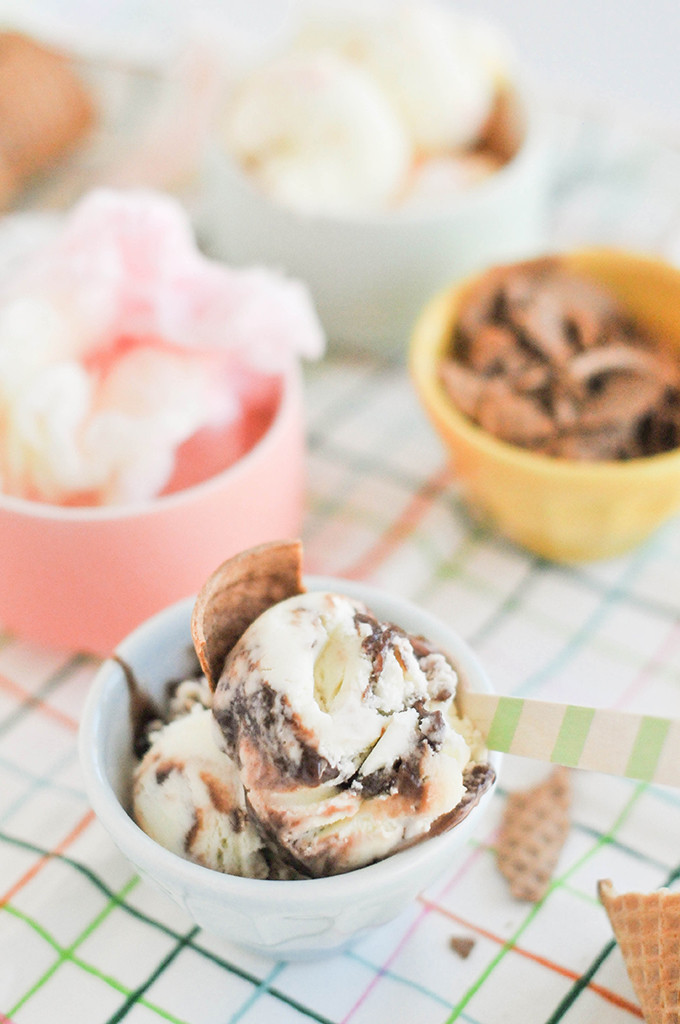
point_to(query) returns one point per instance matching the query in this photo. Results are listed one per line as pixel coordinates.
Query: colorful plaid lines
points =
(84, 941)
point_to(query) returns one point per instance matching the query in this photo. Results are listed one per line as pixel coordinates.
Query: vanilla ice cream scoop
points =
(345, 733)
(188, 797)
(437, 69)
(317, 134)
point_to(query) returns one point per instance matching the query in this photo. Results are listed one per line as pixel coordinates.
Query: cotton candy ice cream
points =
(120, 342)
(345, 733)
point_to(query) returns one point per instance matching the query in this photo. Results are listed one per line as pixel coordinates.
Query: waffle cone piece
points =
(45, 110)
(236, 593)
(533, 831)
(647, 929)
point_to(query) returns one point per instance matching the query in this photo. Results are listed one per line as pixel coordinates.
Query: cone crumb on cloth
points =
(535, 826)
(647, 929)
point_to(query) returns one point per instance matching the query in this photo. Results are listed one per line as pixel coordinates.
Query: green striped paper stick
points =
(598, 739)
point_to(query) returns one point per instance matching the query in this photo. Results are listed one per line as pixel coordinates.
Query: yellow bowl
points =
(561, 509)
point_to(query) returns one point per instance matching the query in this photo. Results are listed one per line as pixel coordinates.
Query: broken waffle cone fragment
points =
(237, 593)
(647, 929)
(533, 831)
(45, 110)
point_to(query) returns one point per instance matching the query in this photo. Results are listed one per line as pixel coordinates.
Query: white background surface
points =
(621, 52)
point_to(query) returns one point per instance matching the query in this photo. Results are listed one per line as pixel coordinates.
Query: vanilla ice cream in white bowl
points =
(378, 152)
(292, 827)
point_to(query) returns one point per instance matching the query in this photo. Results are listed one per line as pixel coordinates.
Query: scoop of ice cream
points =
(358, 95)
(317, 134)
(552, 360)
(120, 341)
(188, 797)
(436, 68)
(345, 733)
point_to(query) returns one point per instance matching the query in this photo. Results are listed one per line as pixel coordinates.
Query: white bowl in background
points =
(371, 275)
(282, 919)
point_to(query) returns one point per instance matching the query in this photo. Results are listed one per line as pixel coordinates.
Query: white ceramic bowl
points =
(369, 276)
(282, 919)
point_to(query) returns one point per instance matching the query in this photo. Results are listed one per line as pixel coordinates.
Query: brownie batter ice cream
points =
(188, 796)
(331, 740)
(552, 361)
(345, 730)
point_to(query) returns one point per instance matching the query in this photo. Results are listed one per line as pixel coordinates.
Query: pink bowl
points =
(83, 578)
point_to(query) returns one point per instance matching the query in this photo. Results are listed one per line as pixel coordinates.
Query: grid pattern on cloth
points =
(83, 939)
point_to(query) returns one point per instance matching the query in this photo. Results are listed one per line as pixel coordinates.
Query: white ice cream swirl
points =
(345, 732)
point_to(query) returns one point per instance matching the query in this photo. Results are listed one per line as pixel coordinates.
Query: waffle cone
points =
(44, 109)
(236, 593)
(534, 827)
(647, 929)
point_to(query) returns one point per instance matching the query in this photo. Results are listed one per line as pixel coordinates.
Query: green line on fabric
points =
(84, 966)
(66, 953)
(572, 735)
(140, 916)
(612, 596)
(136, 995)
(578, 987)
(505, 721)
(509, 945)
(39, 929)
(647, 748)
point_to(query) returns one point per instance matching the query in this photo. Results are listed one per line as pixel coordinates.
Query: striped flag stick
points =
(622, 743)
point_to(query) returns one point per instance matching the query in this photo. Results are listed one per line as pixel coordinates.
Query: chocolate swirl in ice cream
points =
(345, 732)
(319, 738)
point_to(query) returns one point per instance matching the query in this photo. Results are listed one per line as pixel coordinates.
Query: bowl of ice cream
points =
(376, 154)
(324, 781)
(555, 386)
(151, 417)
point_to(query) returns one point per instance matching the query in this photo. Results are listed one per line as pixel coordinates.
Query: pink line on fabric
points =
(408, 934)
(661, 654)
(404, 525)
